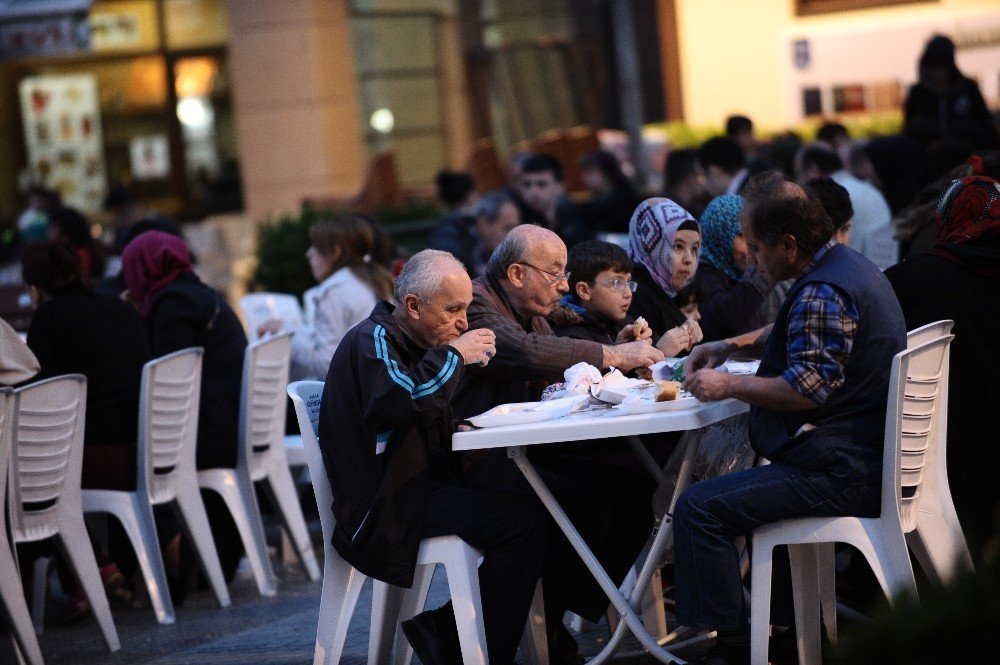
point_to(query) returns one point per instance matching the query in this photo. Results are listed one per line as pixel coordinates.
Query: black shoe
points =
(729, 649)
(563, 647)
(432, 639)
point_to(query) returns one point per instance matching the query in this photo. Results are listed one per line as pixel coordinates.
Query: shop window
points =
(124, 25)
(195, 23)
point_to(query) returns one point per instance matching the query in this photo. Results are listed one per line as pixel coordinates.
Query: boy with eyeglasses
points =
(596, 308)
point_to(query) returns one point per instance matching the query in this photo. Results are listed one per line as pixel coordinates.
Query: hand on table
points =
(709, 385)
(476, 346)
(708, 355)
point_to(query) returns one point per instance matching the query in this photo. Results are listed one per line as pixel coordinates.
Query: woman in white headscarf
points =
(664, 242)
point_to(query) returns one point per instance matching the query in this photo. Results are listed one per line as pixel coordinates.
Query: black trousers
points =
(511, 528)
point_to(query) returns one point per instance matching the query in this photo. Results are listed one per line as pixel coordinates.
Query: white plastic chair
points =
(11, 592)
(261, 457)
(45, 472)
(342, 583)
(257, 308)
(167, 435)
(926, 333)
(916, 410)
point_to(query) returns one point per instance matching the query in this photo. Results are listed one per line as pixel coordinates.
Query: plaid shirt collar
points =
(816, 258)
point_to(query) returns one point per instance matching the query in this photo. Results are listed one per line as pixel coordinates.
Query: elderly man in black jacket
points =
(385, 429)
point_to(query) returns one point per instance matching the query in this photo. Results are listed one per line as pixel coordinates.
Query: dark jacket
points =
(455, 234)
(188, 313)
(849, 428)
(384, 427)
(960, 112)
(568, 224)
(652, 303)
(963, 287)
(729, 307)
(528, 354)
(105, 340)
(586, 325)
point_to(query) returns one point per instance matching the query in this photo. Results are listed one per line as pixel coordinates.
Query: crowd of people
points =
(776, 248)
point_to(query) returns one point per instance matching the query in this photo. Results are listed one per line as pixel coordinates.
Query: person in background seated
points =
(818, 407)
(683, 183)
(455, 232)
(612, 196)
(350, 284)
(543, 200)
(959, 279)
(180, 312)
(385, 431)
(837, 204)
(664, 242)
(724, 165)
(74, 331)
(495, 215)
(602, 287)
(733, 292)
(739, 128)
(689, 299)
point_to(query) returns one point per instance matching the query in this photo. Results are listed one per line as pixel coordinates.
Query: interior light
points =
(382, 121)
(194, 112)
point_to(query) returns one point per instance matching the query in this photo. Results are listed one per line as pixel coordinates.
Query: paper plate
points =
(527, 412)
(684, 401)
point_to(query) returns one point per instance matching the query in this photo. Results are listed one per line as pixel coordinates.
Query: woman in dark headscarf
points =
(731, 292)
(959, 279)
(180, 312)
(664, 241)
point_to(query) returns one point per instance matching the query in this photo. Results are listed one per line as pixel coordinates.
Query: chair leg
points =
(463, 581)
(412, 605)
(75, 546)
(806, 602)
(342, 585)
(281, 491)
(760, 600)
(190, 511)
(39, 586)
(386, 602)
(535, 643)
(238, 493)
(943, 552)
(138, 522)
(14, 605)
(826, 569)
(889, 558)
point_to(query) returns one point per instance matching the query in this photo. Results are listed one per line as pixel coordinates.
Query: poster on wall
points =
(62, 133)
(833, 70)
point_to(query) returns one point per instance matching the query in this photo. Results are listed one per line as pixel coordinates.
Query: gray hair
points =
(422, 274)
(489, 205)
(511, 249)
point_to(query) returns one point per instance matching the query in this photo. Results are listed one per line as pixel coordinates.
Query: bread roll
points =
(667, 390)
(637, 327)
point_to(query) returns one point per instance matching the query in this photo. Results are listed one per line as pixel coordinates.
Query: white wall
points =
(736, 55)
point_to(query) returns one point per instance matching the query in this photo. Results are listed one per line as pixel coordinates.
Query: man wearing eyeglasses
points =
(525, 279)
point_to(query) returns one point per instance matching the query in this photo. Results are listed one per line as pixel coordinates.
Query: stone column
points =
(295, 99)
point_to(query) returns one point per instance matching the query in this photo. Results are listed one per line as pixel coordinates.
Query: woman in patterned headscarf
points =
(732, 292)
(664, 242)
(959, 279)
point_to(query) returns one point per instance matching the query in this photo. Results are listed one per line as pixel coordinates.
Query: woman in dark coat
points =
(731, 292)
(959, 279)
(181, 312)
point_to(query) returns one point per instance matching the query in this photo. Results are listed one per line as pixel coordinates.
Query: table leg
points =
(622, 605)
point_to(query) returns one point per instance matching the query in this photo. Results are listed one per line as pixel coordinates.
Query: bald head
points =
(523, 244)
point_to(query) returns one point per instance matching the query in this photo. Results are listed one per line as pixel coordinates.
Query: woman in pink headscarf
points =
(664, 241)
(180, 312)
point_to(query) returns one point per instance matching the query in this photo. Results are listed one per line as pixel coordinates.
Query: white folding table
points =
(598, 425)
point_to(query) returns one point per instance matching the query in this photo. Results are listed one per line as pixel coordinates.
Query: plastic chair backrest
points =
(263, 403)
(916, 401)
(926, 333)
(169, 399)
(47, 459)
(7, 402)
(306, 397)
(261, 306)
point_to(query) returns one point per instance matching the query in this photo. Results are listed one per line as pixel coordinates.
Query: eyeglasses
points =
(556, 276)
(619, 285)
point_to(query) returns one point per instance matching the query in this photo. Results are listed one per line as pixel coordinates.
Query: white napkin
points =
(579, 378)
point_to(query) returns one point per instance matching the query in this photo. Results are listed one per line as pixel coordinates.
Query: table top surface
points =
(597, 425)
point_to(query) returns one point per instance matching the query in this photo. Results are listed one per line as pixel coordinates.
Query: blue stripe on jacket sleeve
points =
(424, 389)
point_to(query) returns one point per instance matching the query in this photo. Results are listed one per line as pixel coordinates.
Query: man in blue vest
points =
(818, 405)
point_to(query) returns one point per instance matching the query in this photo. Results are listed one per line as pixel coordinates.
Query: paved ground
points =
(252, 631)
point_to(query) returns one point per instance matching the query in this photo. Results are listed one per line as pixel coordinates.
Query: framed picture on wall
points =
(806, 7)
